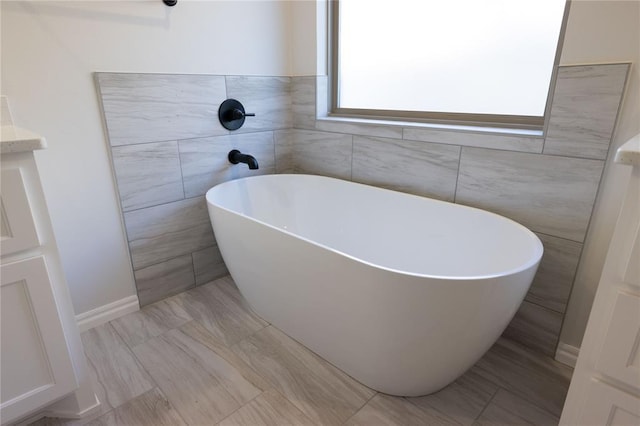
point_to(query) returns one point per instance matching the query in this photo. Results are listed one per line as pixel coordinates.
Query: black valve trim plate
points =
(232, 115)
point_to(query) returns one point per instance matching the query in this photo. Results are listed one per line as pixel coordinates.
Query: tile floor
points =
(203, 358)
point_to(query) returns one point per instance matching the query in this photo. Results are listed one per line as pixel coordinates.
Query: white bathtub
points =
(403, 293)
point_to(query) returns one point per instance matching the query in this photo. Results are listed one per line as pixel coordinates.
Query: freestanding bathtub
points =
(403, 293)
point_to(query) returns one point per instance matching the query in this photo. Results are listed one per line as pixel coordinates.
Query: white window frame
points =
(458, 119)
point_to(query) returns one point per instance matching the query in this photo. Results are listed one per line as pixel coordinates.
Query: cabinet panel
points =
(18, 230)
(620, 356)
(607, 406)
(36, 365)
(21, 345)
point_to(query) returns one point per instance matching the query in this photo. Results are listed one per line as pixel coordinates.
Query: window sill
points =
(521, 140)
(507, 131)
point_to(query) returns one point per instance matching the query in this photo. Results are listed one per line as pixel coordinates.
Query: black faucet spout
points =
(236, 157)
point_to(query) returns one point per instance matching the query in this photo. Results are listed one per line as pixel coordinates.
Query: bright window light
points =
(449, 56)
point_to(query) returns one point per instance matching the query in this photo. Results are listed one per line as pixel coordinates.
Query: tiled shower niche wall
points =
(547, 184)
(168, 148)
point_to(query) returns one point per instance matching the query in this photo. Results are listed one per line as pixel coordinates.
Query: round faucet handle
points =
(232, 115)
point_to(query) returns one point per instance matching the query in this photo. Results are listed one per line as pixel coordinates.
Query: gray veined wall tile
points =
(319, 153)
(163, 232)
(584, 109)
(535, 327)
(208, 265)
(148, 174)
(551, 195)
(552, 284)
(363, 129)
(478, 140)
(205, 163)
(284, 148)
(160, 107)
(416, 167)
(164, 279)
(268, 97)
(303, 102)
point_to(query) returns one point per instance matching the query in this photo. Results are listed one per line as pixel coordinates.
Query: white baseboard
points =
(95, 408)
(106, 313)
(65, 414)
(567, 354)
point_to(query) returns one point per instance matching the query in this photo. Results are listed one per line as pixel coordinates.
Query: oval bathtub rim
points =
(536, 259)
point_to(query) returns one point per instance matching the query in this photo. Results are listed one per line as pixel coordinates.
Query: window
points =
(473, 61)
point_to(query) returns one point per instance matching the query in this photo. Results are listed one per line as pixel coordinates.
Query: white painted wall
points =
(49, 52)
(309, 37)
(602, 31)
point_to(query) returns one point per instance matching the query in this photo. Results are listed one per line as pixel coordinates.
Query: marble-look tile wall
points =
(167, 149)
(548, 184)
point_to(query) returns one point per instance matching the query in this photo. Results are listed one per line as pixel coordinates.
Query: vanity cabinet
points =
(605, 388)
(41, 353)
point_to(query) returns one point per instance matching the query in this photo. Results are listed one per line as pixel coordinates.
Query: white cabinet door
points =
(36, 365)
(17, 228)
(607, 406)
(620, 356)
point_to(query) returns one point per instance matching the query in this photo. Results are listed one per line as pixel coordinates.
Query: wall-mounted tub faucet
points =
(236, 157)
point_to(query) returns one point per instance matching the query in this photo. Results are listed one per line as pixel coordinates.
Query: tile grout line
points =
(153, 380)
(352, 149)
(194, 360)
(533, 404)
(455, 190)
(243, 405)
(361, 407)
(135, 356)
(488, 403)
(184, 191)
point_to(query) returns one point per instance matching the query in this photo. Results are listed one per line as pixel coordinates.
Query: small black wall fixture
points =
(236, 157)
(170, 2)
(231, 114)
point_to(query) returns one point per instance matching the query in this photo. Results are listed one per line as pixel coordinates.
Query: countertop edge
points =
(15, 139)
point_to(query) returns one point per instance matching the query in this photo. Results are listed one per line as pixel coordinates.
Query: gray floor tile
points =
(138, 327)
(119, 375)
(268, 409)
(221, 310)
(462, 400)
(507, 409)
(149, 409)
(392, 411)
(202, 386)
(322, 392)
(536, 378)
